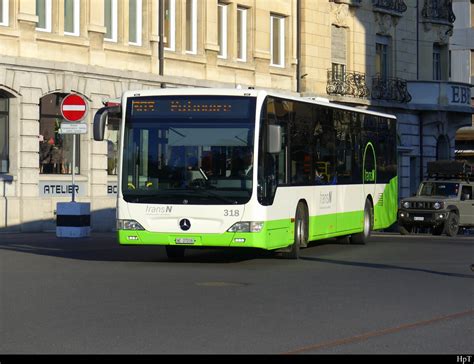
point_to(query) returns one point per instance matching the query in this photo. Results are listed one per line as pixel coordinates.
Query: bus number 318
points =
(232, 213)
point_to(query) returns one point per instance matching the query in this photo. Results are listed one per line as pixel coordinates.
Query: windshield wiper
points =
(207, 193)
(151, 198)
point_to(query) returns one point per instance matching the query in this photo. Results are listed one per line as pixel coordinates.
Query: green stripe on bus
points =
(385, 210)
(278, 233)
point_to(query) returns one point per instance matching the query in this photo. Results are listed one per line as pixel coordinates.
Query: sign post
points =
(73, 110)
(73, 219)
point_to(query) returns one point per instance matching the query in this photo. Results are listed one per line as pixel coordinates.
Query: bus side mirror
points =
(274, 139)
(100, 118)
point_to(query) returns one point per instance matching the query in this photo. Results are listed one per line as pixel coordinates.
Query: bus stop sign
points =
(73, 108)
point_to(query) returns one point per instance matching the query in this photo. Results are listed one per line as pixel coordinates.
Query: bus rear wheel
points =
(301, 233)
(363, 237)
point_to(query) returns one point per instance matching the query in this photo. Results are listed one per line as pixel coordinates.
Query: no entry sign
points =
(73, 108)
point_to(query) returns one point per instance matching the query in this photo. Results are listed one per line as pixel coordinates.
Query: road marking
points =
(372, 334)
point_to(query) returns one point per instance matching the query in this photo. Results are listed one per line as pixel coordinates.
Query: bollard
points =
(73, 219)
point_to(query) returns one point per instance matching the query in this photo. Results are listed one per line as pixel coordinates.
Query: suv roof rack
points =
(450, 169)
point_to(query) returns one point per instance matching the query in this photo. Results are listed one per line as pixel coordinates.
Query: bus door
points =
(369, 174)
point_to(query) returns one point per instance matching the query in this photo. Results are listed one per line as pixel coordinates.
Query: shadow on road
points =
(385, 266)
(104, 247)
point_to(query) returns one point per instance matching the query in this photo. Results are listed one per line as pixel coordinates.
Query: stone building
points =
(462, 69)
(389, 56)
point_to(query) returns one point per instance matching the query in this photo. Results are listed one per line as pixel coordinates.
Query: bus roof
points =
(192, 91)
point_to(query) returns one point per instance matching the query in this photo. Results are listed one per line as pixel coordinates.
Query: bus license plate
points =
(185, 241)
(418, 218)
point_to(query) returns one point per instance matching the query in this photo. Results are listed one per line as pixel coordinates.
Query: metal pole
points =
(161, 44)
(298, 46)
(73, 168)
(6, 202)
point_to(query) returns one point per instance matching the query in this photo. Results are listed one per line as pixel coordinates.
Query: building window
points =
(222, 30)
(191, 26)
(338, 71)
(4, 110)
(436, 62)
(71, 17)
(110, 20)
(55, 148)
(43, 11)
(169, 24)
(277, 36)
(382, 57)
(338, 52)
(135, 22)
(242, 34)
(442, 148)
(4, 12)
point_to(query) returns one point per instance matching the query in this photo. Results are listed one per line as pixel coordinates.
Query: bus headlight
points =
(128, 225)
(246, 227)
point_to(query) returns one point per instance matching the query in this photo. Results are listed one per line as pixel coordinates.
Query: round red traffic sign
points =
(73, 108)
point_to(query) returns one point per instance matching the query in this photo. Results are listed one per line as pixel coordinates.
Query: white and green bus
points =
(249, 168)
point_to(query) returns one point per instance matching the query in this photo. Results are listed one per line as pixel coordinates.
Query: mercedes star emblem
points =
(185, 224)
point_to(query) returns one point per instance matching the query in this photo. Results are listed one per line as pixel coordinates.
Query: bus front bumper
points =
(227, 239)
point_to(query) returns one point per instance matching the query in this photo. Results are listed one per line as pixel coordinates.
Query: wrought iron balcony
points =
(439, 10)
(348, 2)
(390, 89)
(397, 6)
(347, 84)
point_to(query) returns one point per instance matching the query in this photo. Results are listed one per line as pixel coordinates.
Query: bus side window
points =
(301, 148)
(324, 140)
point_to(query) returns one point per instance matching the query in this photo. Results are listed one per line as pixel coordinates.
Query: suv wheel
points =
(451, 226)
(404, 230)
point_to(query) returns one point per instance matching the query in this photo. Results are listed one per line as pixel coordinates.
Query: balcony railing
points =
(347, 84)
(348, 2)
(390, 89)
(438, 10)
(397, 6)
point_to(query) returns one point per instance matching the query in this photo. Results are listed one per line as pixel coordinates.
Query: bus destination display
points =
(191, 106)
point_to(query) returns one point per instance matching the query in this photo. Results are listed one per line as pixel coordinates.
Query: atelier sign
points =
(57, 188)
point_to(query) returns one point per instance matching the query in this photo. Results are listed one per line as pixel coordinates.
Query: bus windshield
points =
(188, 149)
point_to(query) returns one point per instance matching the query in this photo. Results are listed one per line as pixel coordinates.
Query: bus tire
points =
(301, 233)
(363, 237)
(175, 252)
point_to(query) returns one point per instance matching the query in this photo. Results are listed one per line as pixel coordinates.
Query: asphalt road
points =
(396, 295)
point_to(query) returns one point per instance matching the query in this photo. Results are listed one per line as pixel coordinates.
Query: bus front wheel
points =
(301, 233)
(363, 237)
